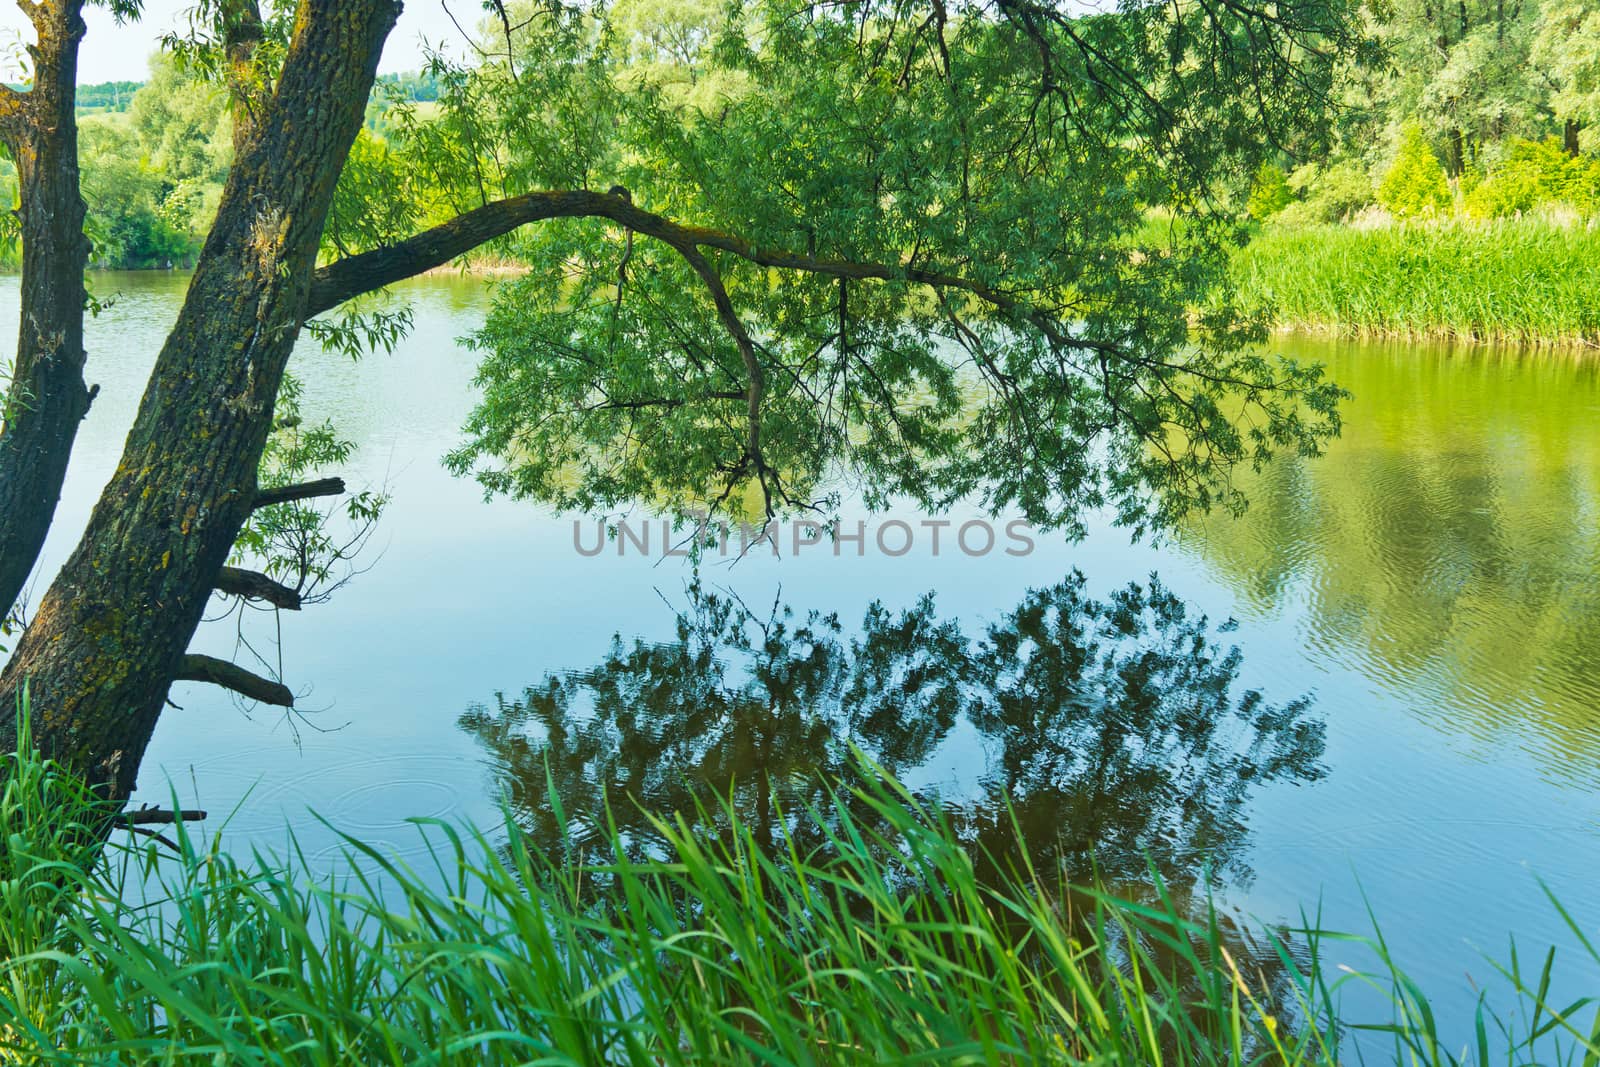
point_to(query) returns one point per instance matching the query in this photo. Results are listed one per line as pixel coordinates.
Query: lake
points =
(1431, 585)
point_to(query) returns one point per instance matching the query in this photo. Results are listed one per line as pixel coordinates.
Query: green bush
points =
(1269, 193)
(1534, 174)
(1414, 186)
(136, 217)
(1328, 193)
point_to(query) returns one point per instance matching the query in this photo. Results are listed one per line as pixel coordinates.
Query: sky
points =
(121, 53)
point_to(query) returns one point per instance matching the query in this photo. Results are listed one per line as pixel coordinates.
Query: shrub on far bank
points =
(1269, 193)
(1537, 174)
(1415, 186)
(1334, 192)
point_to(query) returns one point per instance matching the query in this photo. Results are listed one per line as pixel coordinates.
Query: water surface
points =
(1430, 587)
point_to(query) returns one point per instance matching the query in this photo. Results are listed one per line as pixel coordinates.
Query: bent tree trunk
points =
(48, 397)
(112, 631)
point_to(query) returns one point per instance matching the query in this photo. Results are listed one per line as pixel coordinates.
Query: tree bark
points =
(48, 396)
(1456, 165)
(288, 494)
(197, 668)
(253, 585)
(113, 629)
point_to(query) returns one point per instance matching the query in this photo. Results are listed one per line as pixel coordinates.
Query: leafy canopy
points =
(1068, 353)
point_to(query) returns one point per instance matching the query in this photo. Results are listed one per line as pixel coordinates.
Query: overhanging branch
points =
(213, 671)
(755, 377)
(348, 278)
(253, 585)
(148, 816)
(301, 491)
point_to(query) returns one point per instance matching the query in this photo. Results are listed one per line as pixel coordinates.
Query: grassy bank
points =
(889, 950)
(1518, 281)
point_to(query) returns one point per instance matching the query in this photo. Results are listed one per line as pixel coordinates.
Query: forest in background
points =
(155, 154)
(1480, 110)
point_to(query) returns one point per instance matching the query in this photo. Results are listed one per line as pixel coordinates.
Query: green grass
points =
(885, 950)
(1525, 281)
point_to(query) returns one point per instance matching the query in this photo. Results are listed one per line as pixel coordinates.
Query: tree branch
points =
(300, 491)
(253, 585)
(347, 278)
(209, 669)
(756, 377)
(148, 816)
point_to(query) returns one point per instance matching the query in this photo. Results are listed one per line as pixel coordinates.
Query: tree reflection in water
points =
(1110, 733)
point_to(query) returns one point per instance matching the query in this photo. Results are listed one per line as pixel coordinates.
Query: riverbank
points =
(1522, 281)
(881, 944)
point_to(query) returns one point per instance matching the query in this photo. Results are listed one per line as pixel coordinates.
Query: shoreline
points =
(1528, 283)
(1571, 344)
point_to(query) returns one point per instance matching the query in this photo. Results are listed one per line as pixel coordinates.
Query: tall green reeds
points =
(1523, 281)
(882, 948)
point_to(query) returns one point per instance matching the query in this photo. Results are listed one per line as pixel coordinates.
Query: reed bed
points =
(1525, 281)
(888, 950)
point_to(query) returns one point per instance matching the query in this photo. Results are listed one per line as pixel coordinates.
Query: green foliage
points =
(359, 327)
(1332, 193)
(550, 124)
(1566, 52)
(106, 96)
(1535, 174)
(131, 222)
(1269, 192)
(886, 948)
(1527, 282)
(10, 221)
(1460, 71)
(1476, 77)
(880, 134)
(373, 204)
(1414, 186)
(299, 543)
(152, 178)
(182, 124)
(413, 86)
(198, 52)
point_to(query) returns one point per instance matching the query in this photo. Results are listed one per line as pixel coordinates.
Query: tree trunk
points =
(112, 632)
(48, 396)
(1457, 163)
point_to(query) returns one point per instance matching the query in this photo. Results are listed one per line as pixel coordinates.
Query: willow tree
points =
(47, 396)
(955, 249)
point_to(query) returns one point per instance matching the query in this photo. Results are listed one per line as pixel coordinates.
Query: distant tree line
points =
(107, 96)
(155, 154)
(1480, 108)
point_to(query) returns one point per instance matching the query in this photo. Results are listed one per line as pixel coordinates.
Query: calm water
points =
(1432, 587)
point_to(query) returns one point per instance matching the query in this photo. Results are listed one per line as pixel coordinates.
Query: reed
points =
(1526, 281)
(885, 948)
